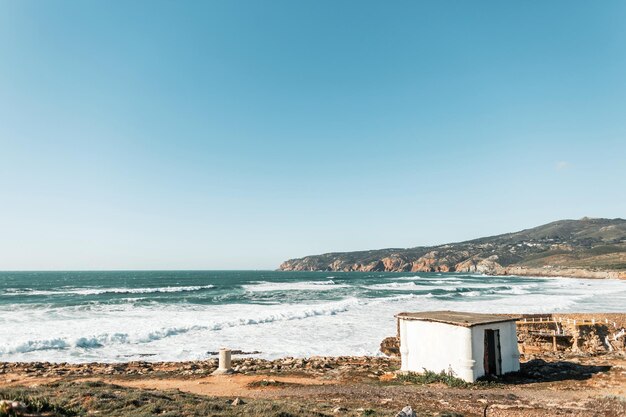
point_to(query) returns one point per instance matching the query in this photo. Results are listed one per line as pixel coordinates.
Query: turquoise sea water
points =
(181, 315)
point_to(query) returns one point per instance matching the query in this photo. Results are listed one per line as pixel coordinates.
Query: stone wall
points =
(576, 333)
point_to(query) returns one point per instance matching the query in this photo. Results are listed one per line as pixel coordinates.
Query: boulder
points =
(237, 401)
(390, 346)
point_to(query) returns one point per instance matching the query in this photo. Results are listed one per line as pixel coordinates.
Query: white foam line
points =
(97, 291)
(266, 286)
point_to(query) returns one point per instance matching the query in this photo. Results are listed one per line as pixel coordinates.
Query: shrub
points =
(430, 377)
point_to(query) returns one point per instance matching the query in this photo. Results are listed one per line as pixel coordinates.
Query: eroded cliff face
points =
(489, 266)
(431, 262)
(587, 248)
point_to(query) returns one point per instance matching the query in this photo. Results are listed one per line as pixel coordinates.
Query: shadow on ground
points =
(538, 370)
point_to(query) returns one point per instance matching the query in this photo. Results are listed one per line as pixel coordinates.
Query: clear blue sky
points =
(237, 134)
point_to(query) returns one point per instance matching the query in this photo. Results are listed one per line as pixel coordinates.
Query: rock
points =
(390, 346)
(339, 409)
(12, 407)
(237, 401)
(406, 412)
(395, 262)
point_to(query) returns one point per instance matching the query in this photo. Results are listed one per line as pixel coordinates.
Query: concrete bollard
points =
(225, 361)
(225, 366)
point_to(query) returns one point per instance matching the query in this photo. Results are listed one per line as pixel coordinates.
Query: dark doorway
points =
(492, 358)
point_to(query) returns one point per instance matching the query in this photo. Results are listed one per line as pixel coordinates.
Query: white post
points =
(225, 366)
(608, 343)
(225, 360)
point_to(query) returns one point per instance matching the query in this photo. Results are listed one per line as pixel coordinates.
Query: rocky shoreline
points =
(543, 366)
(550, 272)
(316, 365)
(485, 268)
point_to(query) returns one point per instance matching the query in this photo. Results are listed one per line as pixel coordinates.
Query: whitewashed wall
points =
(442, 347)
(436, 347)
(508, 347)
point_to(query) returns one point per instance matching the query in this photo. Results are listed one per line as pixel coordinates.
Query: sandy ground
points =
(227, 385)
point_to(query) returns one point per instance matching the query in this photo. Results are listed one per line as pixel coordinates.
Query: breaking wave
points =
(266, 286)
(102, 340)
(397, 286)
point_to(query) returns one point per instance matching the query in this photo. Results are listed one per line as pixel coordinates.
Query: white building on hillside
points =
(468, 345)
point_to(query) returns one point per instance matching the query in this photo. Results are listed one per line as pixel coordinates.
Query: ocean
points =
(185, 315)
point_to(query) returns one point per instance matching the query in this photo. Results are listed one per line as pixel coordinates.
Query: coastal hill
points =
(593, 248)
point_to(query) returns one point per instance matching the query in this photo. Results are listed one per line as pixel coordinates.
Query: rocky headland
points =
(585, 248)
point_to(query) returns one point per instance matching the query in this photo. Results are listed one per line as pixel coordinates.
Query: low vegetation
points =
(85, 398)
(35, 402)
(443, 377)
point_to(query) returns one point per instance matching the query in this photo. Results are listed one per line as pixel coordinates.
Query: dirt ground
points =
(559, 385)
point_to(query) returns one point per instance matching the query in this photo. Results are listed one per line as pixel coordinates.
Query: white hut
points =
(468, 345)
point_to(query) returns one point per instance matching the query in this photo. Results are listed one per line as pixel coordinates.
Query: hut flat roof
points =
(456, 318)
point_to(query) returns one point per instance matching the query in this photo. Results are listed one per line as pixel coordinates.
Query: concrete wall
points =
(436, 347)
(443, 347)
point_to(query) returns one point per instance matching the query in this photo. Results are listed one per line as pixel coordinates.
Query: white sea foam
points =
(35, 345)
(397, 286)
(409, 278)
(520, 289)
(266, 286)
(140, 332)
(475, 288)
(99, 290)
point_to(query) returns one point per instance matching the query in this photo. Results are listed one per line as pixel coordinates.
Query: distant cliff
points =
(586, 248)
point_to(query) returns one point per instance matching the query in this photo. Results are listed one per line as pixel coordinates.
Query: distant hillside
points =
(594, 248)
